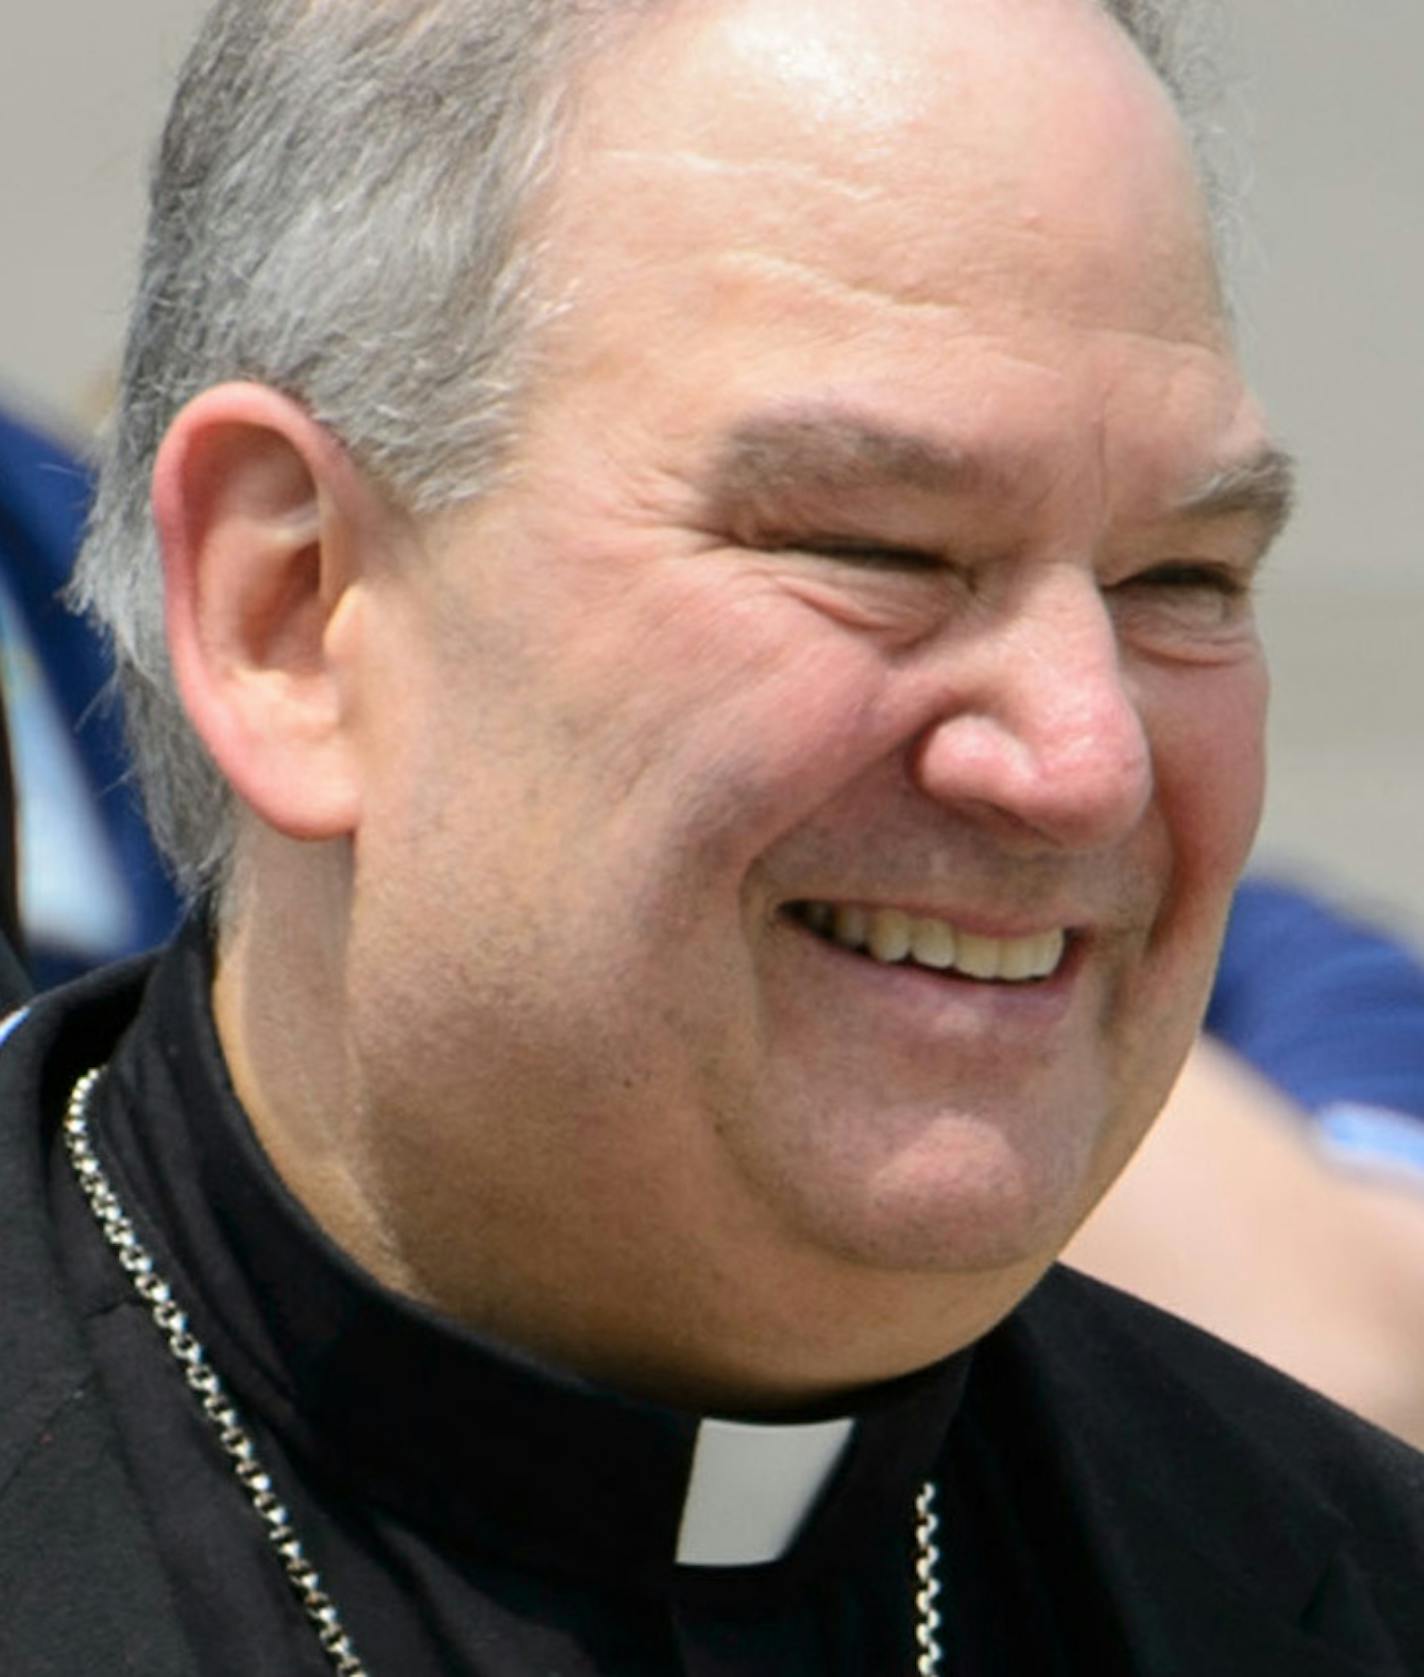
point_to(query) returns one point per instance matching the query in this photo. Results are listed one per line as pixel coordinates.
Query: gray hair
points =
(339, 210)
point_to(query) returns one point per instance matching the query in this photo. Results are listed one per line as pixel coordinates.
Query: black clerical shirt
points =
(473, 1513)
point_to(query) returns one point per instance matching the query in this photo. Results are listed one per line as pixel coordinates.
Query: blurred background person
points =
(88, 885)
(14, 980)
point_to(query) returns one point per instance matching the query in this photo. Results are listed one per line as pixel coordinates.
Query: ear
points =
(265, 524)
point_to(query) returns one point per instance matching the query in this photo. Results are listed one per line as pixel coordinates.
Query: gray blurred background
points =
(1329, 118)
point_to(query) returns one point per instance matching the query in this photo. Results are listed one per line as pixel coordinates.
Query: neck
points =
(279, 1008)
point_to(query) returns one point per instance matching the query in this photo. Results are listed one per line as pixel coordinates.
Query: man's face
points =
(873, 570)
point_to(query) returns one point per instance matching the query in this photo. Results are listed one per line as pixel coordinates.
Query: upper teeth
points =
(889, 934)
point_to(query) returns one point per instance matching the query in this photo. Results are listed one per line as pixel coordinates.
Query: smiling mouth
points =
(892, 937)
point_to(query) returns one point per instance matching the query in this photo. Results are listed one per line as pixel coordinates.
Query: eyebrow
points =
(1261, 487)
(821, 451)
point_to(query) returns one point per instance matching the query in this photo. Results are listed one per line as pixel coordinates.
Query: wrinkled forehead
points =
(915, 138)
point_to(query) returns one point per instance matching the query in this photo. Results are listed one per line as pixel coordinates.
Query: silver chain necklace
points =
(236, 1442)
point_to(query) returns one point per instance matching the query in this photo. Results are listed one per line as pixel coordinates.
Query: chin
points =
(985, 1214)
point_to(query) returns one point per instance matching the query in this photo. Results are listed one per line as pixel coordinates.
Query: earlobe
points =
(262, 521)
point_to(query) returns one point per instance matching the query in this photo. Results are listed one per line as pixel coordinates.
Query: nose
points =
(1045, 740)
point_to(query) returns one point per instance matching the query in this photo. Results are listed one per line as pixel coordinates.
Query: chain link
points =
(927, 1577)
(206, 1385)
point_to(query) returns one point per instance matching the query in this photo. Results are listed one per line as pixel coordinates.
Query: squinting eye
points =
(872, 555)
(1184, 596)
(1214, 578)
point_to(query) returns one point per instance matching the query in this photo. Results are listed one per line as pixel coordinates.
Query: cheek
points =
(740, 702)
(1211, 773)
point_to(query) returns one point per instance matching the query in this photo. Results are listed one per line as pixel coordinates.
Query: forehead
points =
(969, 134)
(989, 202)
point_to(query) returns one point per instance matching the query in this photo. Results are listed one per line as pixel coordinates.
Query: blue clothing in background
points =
(91, 885)
(1331, 1010)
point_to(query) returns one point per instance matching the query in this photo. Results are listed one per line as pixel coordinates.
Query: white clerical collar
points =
(751, 1488)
